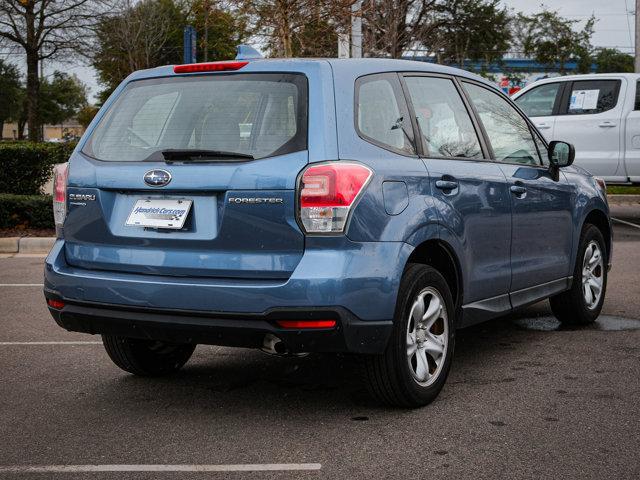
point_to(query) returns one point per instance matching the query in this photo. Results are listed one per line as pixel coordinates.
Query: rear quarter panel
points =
(386, 212)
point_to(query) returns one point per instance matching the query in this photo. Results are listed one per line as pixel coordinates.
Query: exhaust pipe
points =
(273, 345)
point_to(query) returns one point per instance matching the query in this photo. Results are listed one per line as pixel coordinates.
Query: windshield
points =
(252, 115)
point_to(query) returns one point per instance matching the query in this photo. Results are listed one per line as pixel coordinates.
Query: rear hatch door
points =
(192, 176)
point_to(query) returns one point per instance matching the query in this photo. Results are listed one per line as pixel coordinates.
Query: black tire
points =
(571, 307)
(389, 377)
(146, 358)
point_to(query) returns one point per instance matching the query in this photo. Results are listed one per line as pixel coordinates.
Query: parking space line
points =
(49, 343)
(624, 222)
(256, 467)
(21, 284)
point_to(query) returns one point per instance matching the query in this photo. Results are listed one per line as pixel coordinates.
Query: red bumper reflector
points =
(208, 67)
(57, 304)
(301, 324)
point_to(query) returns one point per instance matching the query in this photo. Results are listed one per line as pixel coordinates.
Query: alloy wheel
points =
(427, 336)
(592, 275)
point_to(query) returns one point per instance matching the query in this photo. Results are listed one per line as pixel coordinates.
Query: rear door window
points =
(591, 96)
(443, 120)
(539, 101)
(260, 115)
(382, 117)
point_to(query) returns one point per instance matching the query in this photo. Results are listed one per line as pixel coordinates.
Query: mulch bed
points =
(27, 232)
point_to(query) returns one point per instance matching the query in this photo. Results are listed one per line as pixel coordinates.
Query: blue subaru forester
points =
(368, 206)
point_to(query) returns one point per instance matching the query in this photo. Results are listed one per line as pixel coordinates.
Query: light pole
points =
(356, 29)
(206, 29)
(637, 40)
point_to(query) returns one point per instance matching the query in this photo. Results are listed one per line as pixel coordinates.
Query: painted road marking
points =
(624, 222)
(256, 467)
(21, 284)
(49, 343)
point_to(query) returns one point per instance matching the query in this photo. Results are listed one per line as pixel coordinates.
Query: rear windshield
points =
(261, 115)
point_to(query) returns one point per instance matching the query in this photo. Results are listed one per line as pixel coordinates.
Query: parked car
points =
(598, 113)
(365, 206)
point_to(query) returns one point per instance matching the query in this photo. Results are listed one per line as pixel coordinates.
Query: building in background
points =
(512, 73)
(69, 129)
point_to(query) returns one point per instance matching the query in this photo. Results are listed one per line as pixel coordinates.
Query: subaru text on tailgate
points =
(364, 206)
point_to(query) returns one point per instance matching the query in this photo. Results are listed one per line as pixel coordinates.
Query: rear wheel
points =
(582, 304)
(415, 365)
(148, 358)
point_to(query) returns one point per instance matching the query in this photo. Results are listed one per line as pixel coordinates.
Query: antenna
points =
(247, 52)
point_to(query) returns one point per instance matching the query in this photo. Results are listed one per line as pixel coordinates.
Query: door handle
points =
(543, 126)
(606, 124)
(518, 190)
(446, 184)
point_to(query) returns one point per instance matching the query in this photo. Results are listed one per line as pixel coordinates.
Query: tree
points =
(10, 93)
(610, 60)
(298, 27)
(62, 98)
(220, 29)
(46, 29)
(138, 36)
(471, 30)
(552, 40)
(316, 39)
(390, 28)
(86, 114)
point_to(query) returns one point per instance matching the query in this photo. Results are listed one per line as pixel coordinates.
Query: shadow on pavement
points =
(238, 379)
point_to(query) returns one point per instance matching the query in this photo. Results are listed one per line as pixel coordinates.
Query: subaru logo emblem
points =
(157, 178)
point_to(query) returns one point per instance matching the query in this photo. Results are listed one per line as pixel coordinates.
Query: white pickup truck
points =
(598, 113)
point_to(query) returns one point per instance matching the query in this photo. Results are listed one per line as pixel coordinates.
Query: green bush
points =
(26, 166)
(26, 211)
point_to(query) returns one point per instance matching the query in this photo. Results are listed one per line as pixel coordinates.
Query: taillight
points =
(60, 174)
(208, 67)
(327, 193)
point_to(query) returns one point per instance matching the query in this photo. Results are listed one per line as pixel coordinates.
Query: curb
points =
(9, 244)
(623, 199)
(28, 245)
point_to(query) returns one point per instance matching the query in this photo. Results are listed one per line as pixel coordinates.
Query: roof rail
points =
(247, 52)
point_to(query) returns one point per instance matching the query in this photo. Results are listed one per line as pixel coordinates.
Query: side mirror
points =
(561, 154)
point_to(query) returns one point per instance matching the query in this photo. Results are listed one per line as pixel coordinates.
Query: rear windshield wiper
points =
(203, 155)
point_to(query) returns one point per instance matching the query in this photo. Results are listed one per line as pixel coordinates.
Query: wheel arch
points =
(600, 220)
(441, 256)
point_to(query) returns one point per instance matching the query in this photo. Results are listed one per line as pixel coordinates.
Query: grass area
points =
(620, 190)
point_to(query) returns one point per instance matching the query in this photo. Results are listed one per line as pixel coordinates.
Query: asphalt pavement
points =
(525, 399)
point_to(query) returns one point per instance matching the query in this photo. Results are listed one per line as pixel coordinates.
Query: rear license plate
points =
(159, 213)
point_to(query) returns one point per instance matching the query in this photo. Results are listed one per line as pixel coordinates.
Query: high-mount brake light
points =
(60, 177)
(208, 67)
(327, 193)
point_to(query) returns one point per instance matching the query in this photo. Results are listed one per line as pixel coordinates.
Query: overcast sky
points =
(614, 28)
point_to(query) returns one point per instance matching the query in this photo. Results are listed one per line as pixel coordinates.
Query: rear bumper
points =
(356, 283)
(236, 330)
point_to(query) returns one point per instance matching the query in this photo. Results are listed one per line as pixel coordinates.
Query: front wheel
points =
(147, 358)
(582, 304)
(416, 362)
